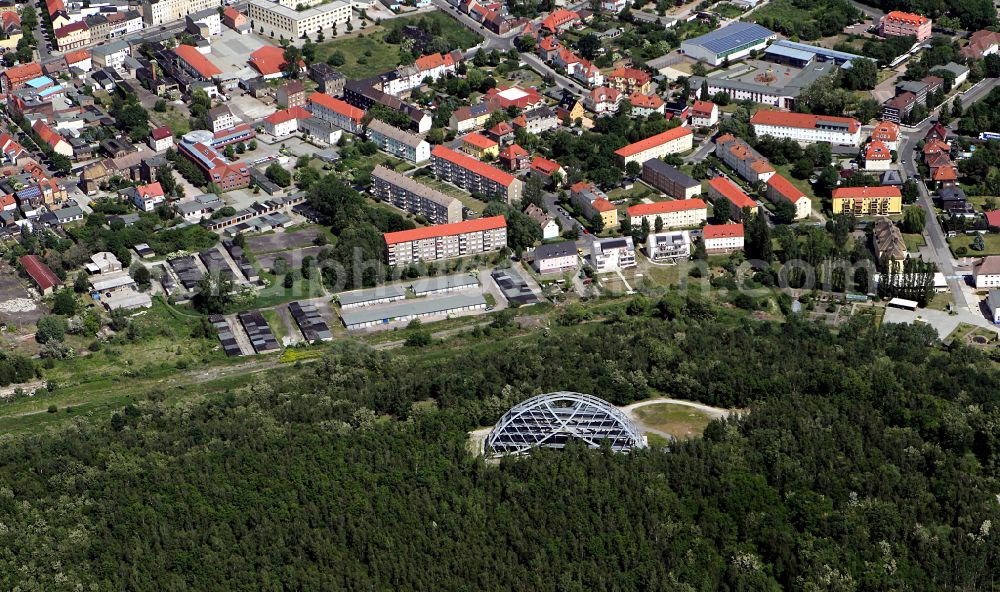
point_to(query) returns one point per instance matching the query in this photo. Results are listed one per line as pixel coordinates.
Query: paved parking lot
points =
(230, 52)
(282, 241)
(293, 257)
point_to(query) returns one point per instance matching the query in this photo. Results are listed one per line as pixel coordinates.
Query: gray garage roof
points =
(443, 282)
(378, 293)
(416, 307)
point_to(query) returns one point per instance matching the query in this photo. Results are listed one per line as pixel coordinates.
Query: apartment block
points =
(905, 24)
(409, 195)
(669, 180)
(726, 194)
(779, 187)
(398, 142)
(723, 238)
(155, 13)
(337, 112)
(474, 176)
(681, 213)
(747, 162)
(445, 241)
(673, 141)
(868, 201)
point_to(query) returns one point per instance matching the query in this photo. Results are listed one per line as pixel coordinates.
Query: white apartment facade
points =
(669, 246)
(277, 19)
(445, 241)
(166, 11)
(807, 129)
(611, 254)
(399, 142)
(681, 213)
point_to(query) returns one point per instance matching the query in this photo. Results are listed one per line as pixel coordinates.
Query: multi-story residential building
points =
(159, 12)
(291, 94)
(276, 19)
(337, 112)
(868, 201)
(778, 187)
(669, 180)
(747, 162)
(445, 241)
(111, 55)
(887, 132)
(704, 114)
(221, 118)
(726, 195)
(474, 176)
(409, 195)
(465, 119)
(548, 224)
(630, 80)
(363, 95)
(285, 122)
(329, 80)
(805, 128)
(205, 22)
(876, 156)
(536, 121)
(981, 44)
(905, 24)
(668, 246)
(555, 257)
(722, 238)
(397, 142)
(161, 138)
(681, 213)
(514, 158)
(672, 141)
(480, 146)
(591, 202)
(611, 254)
(57, 143)
(560, 20)
(145, 197)
(105, 26)
(987, 273)
(17, 77)
(646, 105)
(603, 100)
(72, 36)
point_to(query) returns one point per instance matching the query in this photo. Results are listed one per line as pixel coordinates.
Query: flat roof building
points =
(734, 41)
(412, 309)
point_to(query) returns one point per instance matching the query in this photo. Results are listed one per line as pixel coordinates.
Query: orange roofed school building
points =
(445, 241)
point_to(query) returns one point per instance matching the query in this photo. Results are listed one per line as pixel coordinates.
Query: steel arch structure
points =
(553, 419)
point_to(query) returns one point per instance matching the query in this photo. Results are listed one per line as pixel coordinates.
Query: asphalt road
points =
(933, 232)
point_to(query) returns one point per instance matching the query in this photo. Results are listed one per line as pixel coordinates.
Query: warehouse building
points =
(443, 284)
(735, 41)
(402, 312)
(371, 296)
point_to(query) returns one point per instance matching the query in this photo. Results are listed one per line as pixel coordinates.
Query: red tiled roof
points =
(646, 101)
(501, 129)
(877, 151)
(70, 28)
(39, 272)
(886, 131)
(799, 120)
(638, 76)
(23, 73)
(287, 115)
(471, 164)
(993, 218)
(604, 94)
(945, 173)
(602, 205)
(513, 151)
(269, 60)
(197, 61)
(337, 106)
(434, 60)
(77, 56)
(544, 165)
(906, 17)
(477, 225)
(860, 192)
(703, 108)
(46, 133)
(664, 207)
(549, 44)
(785, 187)
(151, 190)
(161, 133)
(559, 18)
(935, 146)
(732, 192)
(231, 13)
(10, 18)
(479, 141)
(722, 231)
(642, 145)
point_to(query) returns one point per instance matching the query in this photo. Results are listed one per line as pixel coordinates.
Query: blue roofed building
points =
(731, 42)
(801, 55)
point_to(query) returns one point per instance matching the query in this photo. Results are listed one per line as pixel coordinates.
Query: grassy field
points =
(467, 200)
(178, 121)
(367, 53)
(965, 240)
(680, 421)
(913, 242)
(940, 301)
(803, 185)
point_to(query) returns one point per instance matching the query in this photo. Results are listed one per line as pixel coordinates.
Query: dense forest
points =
(867, 460)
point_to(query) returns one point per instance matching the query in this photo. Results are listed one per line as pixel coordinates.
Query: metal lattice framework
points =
(553, 419)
